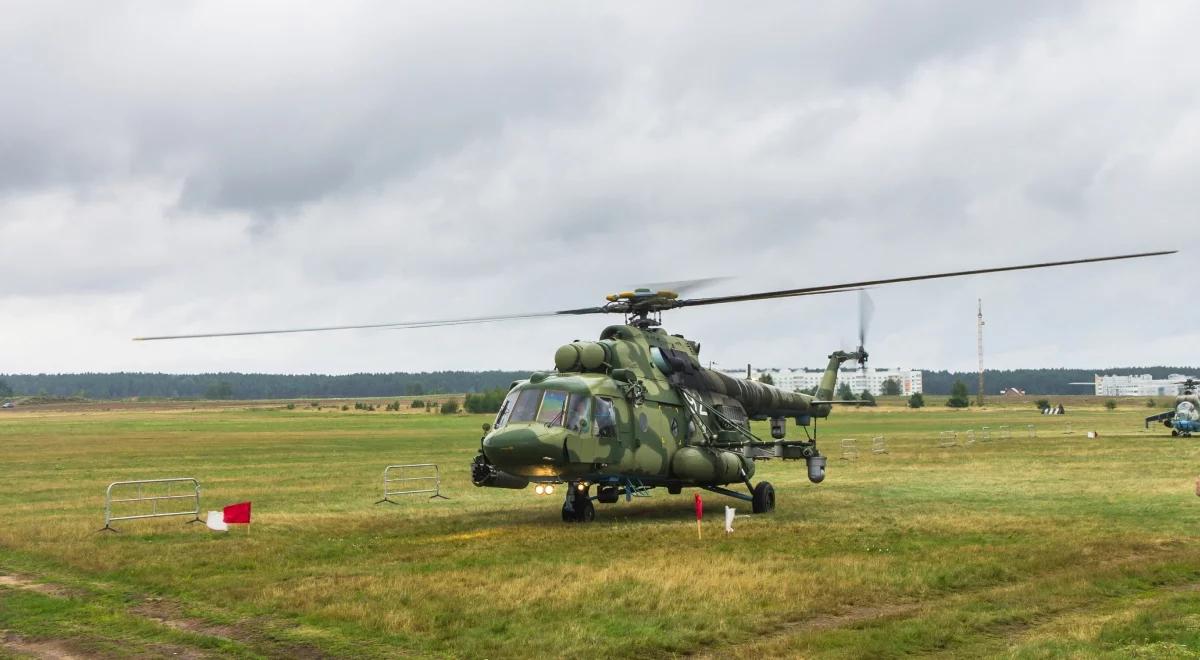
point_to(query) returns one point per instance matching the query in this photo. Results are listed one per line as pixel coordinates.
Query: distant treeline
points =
(282, 386)
(254, 386)
(1038, 381)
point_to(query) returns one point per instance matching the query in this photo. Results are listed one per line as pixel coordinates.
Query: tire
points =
(582, 511)
(585, 511)
(764, 497)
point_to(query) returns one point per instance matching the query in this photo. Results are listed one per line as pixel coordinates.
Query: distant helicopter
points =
(1184, 418)
(635, 410)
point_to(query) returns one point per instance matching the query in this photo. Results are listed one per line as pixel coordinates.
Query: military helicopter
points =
(1184, 418)
(635, 410)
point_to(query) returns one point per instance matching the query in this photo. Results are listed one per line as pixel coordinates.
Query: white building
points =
(872, 380)
(1143, 385)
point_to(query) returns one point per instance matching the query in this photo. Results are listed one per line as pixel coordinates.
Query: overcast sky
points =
(197, 166)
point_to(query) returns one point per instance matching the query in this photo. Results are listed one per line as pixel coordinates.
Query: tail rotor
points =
(866, 309)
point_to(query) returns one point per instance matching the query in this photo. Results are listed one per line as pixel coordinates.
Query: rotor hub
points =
(642, 307)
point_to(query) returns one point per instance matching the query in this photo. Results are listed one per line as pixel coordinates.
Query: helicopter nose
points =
(522, 451)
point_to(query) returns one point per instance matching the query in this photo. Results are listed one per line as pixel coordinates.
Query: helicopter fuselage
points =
(635, 410)
(1184, 418)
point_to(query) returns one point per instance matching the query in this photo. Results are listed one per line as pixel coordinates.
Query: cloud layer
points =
(207, 166)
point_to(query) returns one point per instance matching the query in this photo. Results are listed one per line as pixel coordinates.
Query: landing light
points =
(549, 489)
(539, 489)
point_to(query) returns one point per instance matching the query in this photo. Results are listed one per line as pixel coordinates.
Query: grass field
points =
(1030, 547)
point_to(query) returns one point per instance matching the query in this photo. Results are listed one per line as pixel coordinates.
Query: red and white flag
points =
(234, 514)
(216, 522)
(238, 514)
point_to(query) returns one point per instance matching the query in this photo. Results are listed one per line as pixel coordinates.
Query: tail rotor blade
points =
(866, 309)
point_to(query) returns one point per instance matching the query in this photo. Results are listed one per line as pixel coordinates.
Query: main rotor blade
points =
(788, 293)
(399, 325)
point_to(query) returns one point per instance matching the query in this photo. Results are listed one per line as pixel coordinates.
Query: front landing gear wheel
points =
(578, 506)
(764, 497)
(581, 511)
(585, 511)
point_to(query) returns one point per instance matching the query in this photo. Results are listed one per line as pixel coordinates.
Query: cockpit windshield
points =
(526, 406)
(1186, 410)
(553, 403)
(557, 408)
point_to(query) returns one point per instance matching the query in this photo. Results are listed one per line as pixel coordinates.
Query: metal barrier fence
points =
(422, 483)
(985, 434)
(849, 449)
(947, 438)
(878, 445)
(153, 498)
(970, 437)
(1030, 431)
(1005, 432)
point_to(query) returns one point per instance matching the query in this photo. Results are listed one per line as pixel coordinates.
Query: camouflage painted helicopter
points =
(635, 410)
(1184, 418)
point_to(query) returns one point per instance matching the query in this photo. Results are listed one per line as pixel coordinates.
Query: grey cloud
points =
(220, 167)
(266, 134)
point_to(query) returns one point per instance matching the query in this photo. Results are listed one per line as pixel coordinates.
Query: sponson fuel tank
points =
(709, 465)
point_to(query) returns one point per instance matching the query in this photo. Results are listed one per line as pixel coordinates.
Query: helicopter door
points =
(580, 445)
(610, 427)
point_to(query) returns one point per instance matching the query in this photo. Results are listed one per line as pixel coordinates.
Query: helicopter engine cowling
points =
(710, 466)
(581, 356)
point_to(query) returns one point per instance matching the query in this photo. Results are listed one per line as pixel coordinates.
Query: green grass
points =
(1022, 547)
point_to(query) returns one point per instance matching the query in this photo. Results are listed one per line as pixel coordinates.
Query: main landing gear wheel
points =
(764, 497)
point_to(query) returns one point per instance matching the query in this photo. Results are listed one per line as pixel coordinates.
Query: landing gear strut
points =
(577, 505)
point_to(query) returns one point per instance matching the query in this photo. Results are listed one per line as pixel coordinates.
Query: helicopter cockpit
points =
(1186, 411)
(557, 408)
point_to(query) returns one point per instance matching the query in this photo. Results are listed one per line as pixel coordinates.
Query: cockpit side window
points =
(553, 404)
(606, 418)
(506, 409)
(577, 413)
(526, 406)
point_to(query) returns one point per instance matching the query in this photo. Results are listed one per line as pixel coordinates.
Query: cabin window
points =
(506, 409)
(526, 406)
(606, 418)
(577, 413)
(553, 403)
